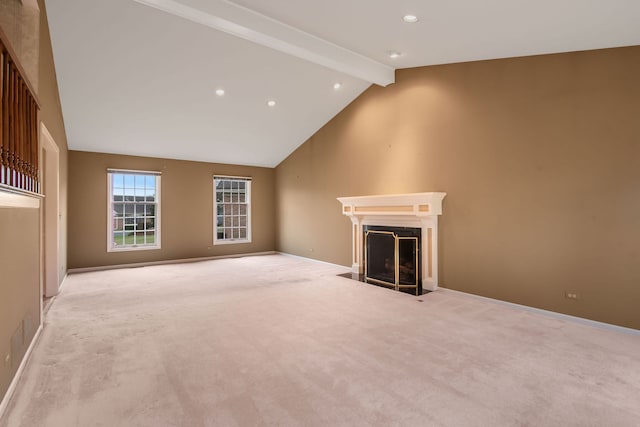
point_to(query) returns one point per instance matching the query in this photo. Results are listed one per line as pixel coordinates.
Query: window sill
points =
(230, 242)
(134, 248)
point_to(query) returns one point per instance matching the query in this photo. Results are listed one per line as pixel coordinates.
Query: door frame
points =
(50, 175)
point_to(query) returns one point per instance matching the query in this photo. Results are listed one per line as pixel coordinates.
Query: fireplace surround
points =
(415, 210)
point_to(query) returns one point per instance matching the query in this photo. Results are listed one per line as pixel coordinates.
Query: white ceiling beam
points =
(249, 25)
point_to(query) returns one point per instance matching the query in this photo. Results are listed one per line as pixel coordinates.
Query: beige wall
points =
(540, 157)
(187, 209)
(20, 228)
(19, 287)
(51, 116)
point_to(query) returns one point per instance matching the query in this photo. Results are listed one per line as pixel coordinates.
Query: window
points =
(134, 210)
(232, 208)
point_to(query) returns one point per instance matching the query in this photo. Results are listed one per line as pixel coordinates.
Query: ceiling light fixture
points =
(394, 55)
(337, 86)
(410, 19)
(271, 103)
(220, 92)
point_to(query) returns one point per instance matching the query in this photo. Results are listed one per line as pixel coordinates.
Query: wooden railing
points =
(19, 150)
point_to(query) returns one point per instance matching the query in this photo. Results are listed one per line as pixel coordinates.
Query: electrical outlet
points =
(571, 295)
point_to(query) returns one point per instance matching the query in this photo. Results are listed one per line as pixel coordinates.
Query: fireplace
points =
(388, 213)
(391, 257)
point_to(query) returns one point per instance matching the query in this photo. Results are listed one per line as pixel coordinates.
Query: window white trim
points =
(232, 241)
(158, 212)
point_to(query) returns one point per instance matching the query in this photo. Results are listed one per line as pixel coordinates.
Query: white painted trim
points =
(133, 171)
(66, 274)
(11, 199)
(51, 144)
(51, 212)
(158, 203)
(556, 315)
(315, 260)
(249, 203)
(165, 262)
(419, 210)
(244, 23)
(16, 378)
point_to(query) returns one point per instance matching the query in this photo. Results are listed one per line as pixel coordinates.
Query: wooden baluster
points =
(2, 139)
(5, 119)
(20, 150)
(34, 145)
(27, 133)
(11, 125)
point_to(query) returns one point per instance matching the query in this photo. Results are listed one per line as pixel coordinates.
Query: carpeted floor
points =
(275, 340)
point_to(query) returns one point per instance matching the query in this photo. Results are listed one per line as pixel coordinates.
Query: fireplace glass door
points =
(392, 257)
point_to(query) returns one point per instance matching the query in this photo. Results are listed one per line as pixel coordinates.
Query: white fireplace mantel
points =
(419, 210)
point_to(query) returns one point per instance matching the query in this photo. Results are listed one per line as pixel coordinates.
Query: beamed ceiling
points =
(140, 77)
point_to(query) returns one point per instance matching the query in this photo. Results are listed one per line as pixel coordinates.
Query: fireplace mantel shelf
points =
(398, 210)
(413, 204)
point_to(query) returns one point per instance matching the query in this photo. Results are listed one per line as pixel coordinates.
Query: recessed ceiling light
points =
(271, 103)
(337, 86)
(220, 92)
(410, 19)
(394, 55)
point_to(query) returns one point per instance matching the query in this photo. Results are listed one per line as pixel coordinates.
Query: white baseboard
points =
(547, 313)
(66, 274)
(166, 262)
(315, 260)
(16, 378)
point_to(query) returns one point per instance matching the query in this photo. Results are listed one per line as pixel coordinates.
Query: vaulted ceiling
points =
(140, 76)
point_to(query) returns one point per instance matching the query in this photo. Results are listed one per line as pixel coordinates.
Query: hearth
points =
(391, 257)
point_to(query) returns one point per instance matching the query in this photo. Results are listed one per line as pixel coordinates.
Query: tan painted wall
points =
(540, 157)
(20, 228)
(187, 209)
(19, 287)
(51, 116)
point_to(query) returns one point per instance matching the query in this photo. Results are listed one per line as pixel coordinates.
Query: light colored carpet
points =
(275, 340)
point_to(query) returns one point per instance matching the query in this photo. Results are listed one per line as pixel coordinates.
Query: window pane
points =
(236, 233)
(241, 185)
(139, 181)
(118, 180)
(118, 238)
(151, 223)
(139, 238)
(150, 182)
(243, 209)
(243, 221)
(150, 195)
(118, 210)
(219, 196)
(128, 181)
(151, 210)
(118, 224)
(243, 233)
(151, 238)
(220, 235)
